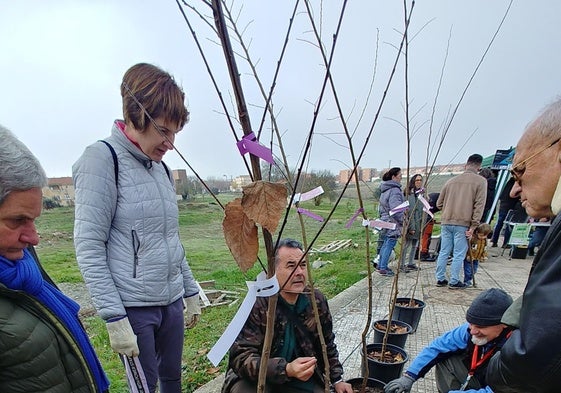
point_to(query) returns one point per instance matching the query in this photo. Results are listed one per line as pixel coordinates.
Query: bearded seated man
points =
(462, 354)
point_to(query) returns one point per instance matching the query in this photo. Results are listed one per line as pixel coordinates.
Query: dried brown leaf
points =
(213, 370)
(264, 203)
(240, 233)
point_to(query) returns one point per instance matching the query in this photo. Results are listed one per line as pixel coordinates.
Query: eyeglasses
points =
(517, 171)
(161, 130)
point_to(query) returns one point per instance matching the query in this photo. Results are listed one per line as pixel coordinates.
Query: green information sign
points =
(520, 234)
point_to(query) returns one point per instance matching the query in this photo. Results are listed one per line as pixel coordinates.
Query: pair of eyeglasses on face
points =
(519, 169)
(161, 130)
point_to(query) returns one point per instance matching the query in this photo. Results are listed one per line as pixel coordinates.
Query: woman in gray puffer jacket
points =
(390, 198)
(127, 231)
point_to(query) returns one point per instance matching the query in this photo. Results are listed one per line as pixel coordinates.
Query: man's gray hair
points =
(287, 242)
(547, 125)
(19, 168)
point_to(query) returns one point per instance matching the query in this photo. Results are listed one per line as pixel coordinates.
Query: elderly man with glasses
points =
(530, 360)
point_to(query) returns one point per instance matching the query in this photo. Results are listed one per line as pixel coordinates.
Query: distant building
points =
(61, 190)
(363, 174)
(239, 182)
(180, 179)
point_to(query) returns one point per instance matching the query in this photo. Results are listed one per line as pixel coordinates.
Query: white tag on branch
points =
(262, 287)
(306, 196)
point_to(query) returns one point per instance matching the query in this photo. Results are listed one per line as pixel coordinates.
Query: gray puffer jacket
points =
(391, 197)
(127, 236)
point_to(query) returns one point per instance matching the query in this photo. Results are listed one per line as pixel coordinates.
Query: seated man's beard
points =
(479, 341)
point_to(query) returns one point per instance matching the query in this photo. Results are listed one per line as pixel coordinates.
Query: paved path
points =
(444, 309)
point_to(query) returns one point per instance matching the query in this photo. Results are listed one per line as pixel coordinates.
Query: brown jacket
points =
(462, 199)
(245, 353)
(478, 249)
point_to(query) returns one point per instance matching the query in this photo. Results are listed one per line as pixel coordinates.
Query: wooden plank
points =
(202, 295)
(334, 246)
(207, 284)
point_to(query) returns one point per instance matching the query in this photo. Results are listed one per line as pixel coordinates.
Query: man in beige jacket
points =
(461, 200)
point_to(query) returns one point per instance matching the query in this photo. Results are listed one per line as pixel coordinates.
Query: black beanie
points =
(488, 307)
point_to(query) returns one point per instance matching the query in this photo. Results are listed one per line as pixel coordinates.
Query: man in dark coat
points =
(530, 359)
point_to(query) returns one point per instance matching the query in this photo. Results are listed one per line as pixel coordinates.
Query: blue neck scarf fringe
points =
(24, 275)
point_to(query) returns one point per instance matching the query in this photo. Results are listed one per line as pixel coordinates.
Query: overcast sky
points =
(63, 61)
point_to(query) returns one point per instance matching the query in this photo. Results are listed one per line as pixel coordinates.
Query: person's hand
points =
(343, 387)
(301, 368)
(191, 310)
(122, 338)
(400, 385)
(469, 233)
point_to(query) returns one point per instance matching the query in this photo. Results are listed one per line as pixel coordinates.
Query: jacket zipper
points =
(135, 247)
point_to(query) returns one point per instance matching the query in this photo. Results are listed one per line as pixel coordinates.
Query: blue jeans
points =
(537, 237)
(499, 226)
(386, 251)
(452, 239)
(468, 274)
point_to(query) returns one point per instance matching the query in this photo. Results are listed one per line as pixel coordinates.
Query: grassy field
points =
(210, 259)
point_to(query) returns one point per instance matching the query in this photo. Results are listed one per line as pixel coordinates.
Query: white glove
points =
(122, 338)
(191, 311)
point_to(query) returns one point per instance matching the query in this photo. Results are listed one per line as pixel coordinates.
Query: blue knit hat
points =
(488, 307)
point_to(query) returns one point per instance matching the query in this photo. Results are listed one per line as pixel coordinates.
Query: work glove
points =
(122, 338)
(191, 311)
(400, 385)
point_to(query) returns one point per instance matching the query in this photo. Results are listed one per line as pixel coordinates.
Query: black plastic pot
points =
(370, 382)
(382, 371)
(410, 315)
(519, 252)
(397, 339)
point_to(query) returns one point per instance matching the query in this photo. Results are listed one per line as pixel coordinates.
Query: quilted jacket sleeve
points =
(96, 199)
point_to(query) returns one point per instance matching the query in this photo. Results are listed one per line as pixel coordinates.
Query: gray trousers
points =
(159, 332)
(451, 374)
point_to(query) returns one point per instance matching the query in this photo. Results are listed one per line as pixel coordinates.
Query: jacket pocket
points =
(135, 248)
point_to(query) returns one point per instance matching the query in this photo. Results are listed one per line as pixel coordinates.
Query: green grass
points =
(210, 259)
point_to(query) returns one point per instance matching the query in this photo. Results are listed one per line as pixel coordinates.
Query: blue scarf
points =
(24, 275)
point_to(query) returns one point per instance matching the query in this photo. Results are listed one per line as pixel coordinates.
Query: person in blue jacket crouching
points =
(461, 355)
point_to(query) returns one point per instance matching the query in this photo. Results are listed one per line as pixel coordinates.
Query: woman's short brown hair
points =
(157, 92)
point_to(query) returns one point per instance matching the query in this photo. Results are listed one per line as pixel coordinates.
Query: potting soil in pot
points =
(368, 390)
(387, 357)
(394, 328)
(399, 331)
(372, 385)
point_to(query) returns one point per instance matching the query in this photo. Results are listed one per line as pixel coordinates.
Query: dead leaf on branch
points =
(240, 233)
(264, 203)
